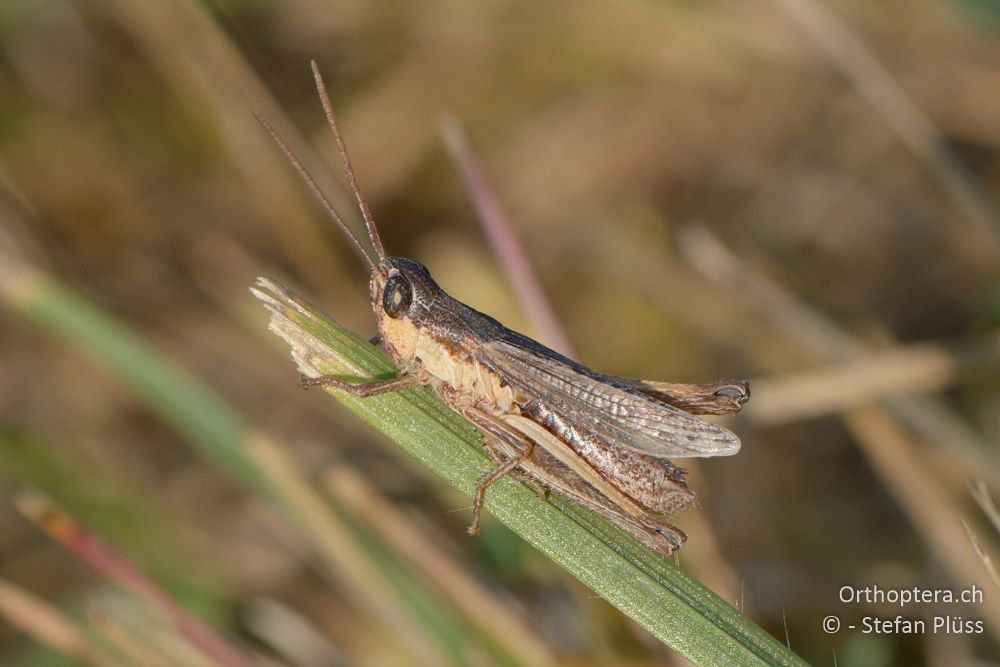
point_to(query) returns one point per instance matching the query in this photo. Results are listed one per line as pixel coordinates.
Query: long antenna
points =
(331, 118)
(304, 173)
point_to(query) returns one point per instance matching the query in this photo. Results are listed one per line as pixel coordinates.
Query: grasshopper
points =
(600, 440)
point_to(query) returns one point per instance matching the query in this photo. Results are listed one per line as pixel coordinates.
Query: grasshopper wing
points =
(718, 398)
(594, 404)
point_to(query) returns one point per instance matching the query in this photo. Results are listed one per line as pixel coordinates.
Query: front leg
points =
(363, 390)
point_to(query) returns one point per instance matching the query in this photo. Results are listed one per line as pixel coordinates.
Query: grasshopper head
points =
(402, 292)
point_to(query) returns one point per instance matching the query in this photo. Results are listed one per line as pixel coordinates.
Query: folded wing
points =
(617, 414)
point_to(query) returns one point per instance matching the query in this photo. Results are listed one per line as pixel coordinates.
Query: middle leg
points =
(517, 449)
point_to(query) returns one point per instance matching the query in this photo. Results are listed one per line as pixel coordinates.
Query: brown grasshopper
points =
(599, 440)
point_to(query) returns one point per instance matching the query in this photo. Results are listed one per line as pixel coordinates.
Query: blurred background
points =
(798, 192)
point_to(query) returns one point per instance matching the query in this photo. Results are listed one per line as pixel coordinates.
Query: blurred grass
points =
(122, 513)
(176, 396)
(131, 171)
(222, 436)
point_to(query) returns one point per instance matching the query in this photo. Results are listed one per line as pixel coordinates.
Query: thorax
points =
(448, 367)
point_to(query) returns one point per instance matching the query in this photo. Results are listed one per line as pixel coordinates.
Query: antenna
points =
(304, 173)
(331, 118)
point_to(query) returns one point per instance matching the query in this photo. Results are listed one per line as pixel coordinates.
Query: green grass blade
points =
(177, 396)
(665, 600)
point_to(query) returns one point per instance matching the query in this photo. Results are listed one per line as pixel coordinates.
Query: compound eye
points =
(397, 296)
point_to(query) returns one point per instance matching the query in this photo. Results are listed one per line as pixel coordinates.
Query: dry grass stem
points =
(75, 537)
(912, 369)
(984, 498)
(983, 556)
(289, 634)
(49, 625)
(344, 559)
(449, 577)
(140, 634)
(504, 242)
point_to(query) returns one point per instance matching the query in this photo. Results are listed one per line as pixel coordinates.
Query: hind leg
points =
(542, 471)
